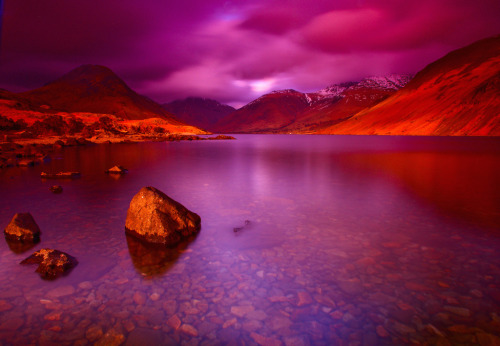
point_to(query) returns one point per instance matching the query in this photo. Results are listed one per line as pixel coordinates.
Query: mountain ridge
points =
(454, 95)
(288, 110)
(198, 111)
(96, 89)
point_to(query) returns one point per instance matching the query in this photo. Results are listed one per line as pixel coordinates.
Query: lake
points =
(349, 240)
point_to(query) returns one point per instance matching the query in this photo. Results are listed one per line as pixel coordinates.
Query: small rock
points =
(485, 339)
(117, 170)
(23, 228)
(111, 338)
(12, 324)
(189, 330)
(139, 298)
(4, 305)
(26, 163)
(174, 322)
(53, 316)
(229, 323)
(381, 331)
(242, 310)
(304, 298)
(265, 341)
(56, 188)
(61, 291)
(85, 285)
(51, 263)
(458, 310)
(94, 332)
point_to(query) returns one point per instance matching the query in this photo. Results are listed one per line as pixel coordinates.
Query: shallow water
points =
(352, 240)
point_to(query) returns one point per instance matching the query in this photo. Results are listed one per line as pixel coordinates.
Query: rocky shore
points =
(27, 144)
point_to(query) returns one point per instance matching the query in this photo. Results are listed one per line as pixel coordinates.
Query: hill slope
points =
(269, 113)
(197, 111)
(455, 95)
(96, 89)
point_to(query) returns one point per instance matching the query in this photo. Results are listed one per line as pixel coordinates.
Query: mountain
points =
(197, 111)
(268, 113)
(455, 95)
(339, 102)
(290, 111)
(96, 89)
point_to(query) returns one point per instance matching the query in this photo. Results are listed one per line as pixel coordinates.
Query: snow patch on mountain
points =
(390, 82)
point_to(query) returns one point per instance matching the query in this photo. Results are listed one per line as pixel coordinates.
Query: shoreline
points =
(16, 150)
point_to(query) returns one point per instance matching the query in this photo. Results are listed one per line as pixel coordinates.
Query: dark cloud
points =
(233, 51)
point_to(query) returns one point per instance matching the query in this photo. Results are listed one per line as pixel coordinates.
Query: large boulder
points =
(156, 218)
(23, 228)
(51, 263)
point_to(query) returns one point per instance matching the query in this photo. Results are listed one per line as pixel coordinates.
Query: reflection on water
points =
(19, 247)
(351, 240)
(151, 259)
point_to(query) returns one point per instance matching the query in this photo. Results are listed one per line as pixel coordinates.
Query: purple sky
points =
(233, 51)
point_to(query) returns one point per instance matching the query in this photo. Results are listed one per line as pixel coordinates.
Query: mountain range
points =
(455, 95)
(291, 111)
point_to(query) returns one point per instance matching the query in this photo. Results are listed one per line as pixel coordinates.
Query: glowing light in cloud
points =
(258, 85)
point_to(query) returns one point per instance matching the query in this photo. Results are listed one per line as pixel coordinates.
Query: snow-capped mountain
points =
(289, 110)
(456, 95)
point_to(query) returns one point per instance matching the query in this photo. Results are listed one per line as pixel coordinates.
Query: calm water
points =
(352, 240)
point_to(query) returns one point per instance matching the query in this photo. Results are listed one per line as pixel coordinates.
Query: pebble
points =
(12, 324)
(304, 298)
(241, 311)
(174, 322)
(189, 330)
(265, 341)
(139, 298)
(4, 305)
(61, 291)
(381, 331)
(93, 333)
(458, 310)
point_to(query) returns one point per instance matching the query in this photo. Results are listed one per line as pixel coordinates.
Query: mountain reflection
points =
(462, 185)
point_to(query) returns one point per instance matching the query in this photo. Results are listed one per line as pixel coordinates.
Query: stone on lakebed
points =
(51, 263)
(23, 228)
(156, 218)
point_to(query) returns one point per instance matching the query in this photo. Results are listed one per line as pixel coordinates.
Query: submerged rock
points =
(156, 218)
(52, 263)
(23, 228)
(60, 175)
(56, 188)
(117, 170)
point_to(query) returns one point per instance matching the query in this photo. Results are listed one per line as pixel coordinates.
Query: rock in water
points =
(52, 263)
(23, 228)
(156, 218)
(56, 188)
(117, 170)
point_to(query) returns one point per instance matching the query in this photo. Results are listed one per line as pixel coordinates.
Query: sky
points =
(233, 51)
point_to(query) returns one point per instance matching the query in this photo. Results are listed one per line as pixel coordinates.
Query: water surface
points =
(352, 240)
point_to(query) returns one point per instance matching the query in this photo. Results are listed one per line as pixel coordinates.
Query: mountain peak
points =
(96, 89)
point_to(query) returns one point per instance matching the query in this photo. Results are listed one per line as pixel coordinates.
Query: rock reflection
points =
(19, 246)
(152, 259)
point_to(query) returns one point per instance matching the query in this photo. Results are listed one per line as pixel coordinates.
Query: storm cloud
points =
(233, 51)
